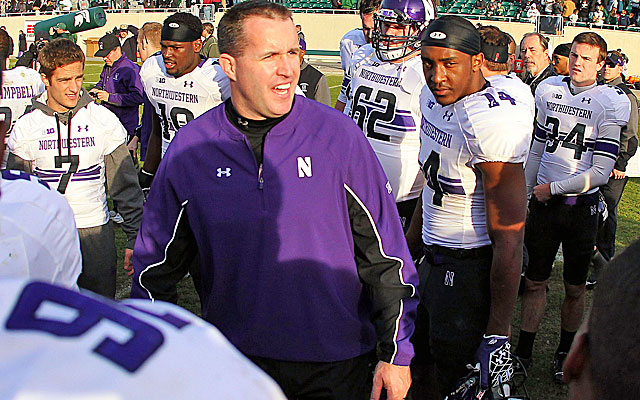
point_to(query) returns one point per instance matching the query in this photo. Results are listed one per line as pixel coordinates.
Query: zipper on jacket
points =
(260, 179)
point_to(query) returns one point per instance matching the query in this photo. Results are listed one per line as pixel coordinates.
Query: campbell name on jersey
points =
(71, 157)
(486, 126)
(180, 100)
(569, 125)
(19, 86)
(385, 103)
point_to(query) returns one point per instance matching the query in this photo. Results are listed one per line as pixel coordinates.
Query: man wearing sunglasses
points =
(612, 190)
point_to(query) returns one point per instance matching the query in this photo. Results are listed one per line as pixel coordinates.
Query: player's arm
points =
(506, 203)
(604, 157)
(628, 138)
(343, 96)
(17, 163)
(322, 91)
(20, 156)
(154, 153)
(535, 156)
(123, 187)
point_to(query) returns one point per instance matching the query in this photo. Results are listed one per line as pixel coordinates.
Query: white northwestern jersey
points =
(71, 160)
(385, 103)
(38, 236)
(569, 125)
(19, 86)
(179, 100)
(516, 89)
(61, 344)
(350, 42)
(486, 126)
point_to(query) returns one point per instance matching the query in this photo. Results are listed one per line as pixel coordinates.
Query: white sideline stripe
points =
(375, 229)
(173, 236)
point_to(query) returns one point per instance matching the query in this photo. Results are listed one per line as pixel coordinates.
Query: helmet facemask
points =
(395, 47)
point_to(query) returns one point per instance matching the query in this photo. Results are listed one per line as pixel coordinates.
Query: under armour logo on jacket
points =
(226, 172)
(86, 128)
(447, 115)
(586, 100)
(188, 83)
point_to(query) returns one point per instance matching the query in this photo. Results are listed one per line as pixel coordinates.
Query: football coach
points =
(303, 260)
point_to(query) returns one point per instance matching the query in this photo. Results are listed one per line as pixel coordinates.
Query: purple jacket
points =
(302, 258)
(123, 83)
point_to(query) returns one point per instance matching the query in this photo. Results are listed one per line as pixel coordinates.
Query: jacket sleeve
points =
(130, 92)
(628, 137)
(166, 245)
(17, 163)
(123, 187)
(381, 253)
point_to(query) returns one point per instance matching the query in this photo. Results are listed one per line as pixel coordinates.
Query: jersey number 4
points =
(367, 120)
(573, 140)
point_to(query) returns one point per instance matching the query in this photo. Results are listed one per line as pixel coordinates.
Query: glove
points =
(145, 179)
(494, 357)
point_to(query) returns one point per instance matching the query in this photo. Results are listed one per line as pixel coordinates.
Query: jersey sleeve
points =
(346, 51)
(496, 127)
(382, 257)
(19, 143)
(617, 108)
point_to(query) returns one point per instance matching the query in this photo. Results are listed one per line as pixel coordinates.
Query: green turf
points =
(539, 383)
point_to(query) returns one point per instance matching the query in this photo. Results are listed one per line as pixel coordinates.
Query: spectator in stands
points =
(22, 43)
(613, 17)
(583, 14)
(624, 20)
(573, 18)
(603, 361)
(127, 35)
(480, 5)
(534, 49)
(560, 59)
(635, 7)
(633, 21)
(568, 7)
(548, 7)
(598, 16)
(533, 13)
(209, 41)
(312, 82)
(557, 8)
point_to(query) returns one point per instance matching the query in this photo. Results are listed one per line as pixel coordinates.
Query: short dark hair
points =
(57, 53)
(208, 26)
(612, 330)
(190, 20)
(369, 6)
(5, 44)
(592, 39)
(495, 37)
(544, 41)
(231, 34)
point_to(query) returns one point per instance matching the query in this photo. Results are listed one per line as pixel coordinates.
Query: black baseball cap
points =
(615, 59)
(107, 43)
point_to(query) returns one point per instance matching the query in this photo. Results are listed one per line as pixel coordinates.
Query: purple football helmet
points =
(413, 15)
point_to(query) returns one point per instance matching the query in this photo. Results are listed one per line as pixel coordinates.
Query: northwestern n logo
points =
(304, 167)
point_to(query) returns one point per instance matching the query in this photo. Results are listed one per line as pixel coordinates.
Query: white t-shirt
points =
(62, 344)
(179, 100)
(77, 169)
(38, 235)
(486, 126)
(385, 103)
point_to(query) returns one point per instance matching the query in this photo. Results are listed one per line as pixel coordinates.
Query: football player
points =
(470, 221)
(61, 344)
(356, 38)
(77, 146)
(179, 84)
(383, 88)
(21, 84)
(576, 141)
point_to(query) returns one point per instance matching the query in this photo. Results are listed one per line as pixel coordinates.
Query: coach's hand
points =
(542, 192)
(100, 94)
(128, 266)
(396, 379)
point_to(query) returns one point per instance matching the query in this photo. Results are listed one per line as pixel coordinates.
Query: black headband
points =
(496, 54)
(454, 33)
(177, 32)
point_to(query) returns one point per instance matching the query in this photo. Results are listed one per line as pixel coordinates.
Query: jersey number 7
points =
(74, 161)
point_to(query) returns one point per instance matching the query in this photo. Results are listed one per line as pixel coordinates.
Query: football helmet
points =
(413, 15)
(468, 388)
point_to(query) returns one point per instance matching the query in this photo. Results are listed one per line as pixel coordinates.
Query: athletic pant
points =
(612, 193)
(99, 256)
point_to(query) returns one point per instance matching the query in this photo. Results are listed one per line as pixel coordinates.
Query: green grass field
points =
(540, 383)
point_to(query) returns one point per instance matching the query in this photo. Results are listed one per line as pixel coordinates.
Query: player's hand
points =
(396, 379)
(542, 192)
(494, 357)
(128, 266)
(133, 144)
(618, 174)
(100, 94)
